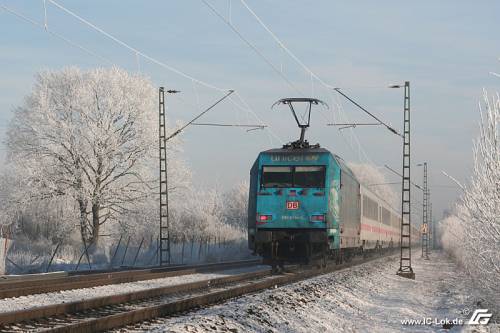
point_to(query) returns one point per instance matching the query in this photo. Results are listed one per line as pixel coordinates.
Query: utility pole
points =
(164, 246)
(405, 269)
(164, 216)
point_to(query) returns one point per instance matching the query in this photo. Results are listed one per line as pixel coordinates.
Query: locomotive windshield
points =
(277, 176)
(309, 176)
(293, 176)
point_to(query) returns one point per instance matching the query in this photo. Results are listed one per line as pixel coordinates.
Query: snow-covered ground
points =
(367, 298)
(66, 296)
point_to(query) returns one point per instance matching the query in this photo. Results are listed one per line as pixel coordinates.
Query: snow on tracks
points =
(66, 296)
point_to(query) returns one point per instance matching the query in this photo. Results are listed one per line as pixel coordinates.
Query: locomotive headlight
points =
(318, 218)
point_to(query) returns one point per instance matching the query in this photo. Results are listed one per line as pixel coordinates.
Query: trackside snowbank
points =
(367, 298)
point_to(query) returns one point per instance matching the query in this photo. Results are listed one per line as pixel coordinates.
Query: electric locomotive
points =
(305, 204)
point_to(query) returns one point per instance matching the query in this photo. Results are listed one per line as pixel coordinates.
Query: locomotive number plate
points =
(292, 205)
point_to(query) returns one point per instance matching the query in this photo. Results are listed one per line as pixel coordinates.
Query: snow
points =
(366, 298)
(67, 296)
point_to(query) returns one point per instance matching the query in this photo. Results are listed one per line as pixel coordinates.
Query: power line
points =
(198, 116)
(252, 46)
(389, 183)
(133, 49)
(229, 125)
(352, 125)
(45, 27)
(282, 45)
(368, 112)
(400, 175)
(256, 116)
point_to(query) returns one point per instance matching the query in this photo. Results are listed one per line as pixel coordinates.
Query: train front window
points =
(277, 176)
(293, 176)
(309, 176)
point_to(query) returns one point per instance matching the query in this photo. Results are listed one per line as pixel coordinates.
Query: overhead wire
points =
(272, 133)
(55, 34)
(282, 45)
(368, 112)
(135, 50)
(179, 130)
(251, 45)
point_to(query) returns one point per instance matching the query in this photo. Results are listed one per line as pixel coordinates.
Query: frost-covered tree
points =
(8, 212)
(91, 136)
(235, 202)
(472, 235)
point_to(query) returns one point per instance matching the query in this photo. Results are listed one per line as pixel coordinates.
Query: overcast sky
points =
(446, 50)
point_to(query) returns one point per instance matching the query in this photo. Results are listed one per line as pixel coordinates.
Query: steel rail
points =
(47, 283)
(116, 311)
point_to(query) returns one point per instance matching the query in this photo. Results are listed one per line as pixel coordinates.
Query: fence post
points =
(52, 257)
(125, 253)
(81, 256)
(182, 251)
(15, 265)
(116, 251)
(155, 254)
(199, 250)
(87, 253)
(137, 253)
(192, 246)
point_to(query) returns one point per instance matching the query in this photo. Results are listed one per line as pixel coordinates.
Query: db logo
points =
(292, 205)
(480, 317)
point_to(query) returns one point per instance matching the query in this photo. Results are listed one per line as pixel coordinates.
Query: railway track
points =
(45, 283)
(106, 313)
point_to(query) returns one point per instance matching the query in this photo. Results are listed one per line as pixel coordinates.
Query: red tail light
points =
(318, 218)
(261, 219)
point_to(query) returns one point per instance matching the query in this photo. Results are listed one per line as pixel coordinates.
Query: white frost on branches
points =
(472, 235)
(91, 136)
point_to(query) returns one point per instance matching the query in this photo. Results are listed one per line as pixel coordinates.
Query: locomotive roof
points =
(297, 151)
(312, 150)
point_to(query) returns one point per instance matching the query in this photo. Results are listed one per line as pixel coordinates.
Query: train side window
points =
(277, 176)
(309, 176)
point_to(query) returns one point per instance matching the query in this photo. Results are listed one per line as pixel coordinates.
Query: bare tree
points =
(90, 135)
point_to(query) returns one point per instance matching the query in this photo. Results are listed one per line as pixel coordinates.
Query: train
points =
(306, 204)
